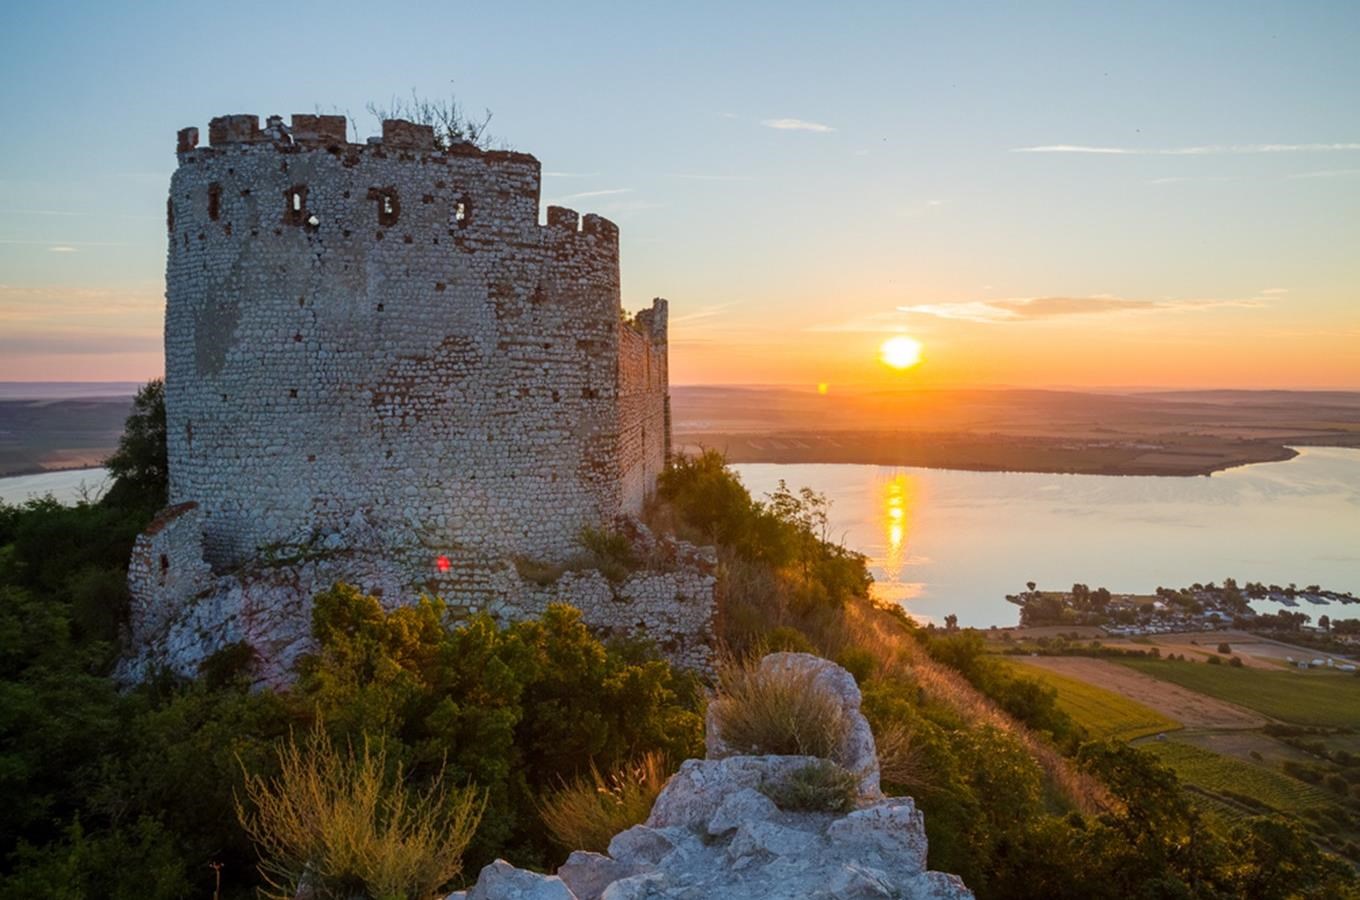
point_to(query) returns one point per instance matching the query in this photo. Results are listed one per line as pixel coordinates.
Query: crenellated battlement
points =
(454, 178)
(308, 131)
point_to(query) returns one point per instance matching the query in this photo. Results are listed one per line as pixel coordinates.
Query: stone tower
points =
(385, 331)
(382, 369)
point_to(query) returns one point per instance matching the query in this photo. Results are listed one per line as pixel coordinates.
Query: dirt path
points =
(1191, 709)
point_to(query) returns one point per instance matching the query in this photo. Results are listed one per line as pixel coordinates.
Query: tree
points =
(1325, 622)
(138, 466)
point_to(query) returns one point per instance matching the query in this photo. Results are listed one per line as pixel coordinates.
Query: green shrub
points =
(859, 662)
(821, 786)
(610, 552)
(1214, 661)
(538, 572)
(786, 639)
(777, 710)
(1224, 648)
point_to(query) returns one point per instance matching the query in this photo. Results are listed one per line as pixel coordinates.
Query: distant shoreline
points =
(966, 453)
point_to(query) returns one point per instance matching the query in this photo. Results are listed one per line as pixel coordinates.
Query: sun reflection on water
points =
(899, 497)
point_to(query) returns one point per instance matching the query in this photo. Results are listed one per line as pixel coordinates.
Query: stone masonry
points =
(381, 367)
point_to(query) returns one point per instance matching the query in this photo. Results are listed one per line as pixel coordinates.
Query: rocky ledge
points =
(715, 832)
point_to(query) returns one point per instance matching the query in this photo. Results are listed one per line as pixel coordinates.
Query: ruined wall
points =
(166, 568)
(643, 403)
(385, 331)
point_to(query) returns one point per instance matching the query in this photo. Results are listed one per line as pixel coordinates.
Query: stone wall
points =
(643, 403)
(166, 568)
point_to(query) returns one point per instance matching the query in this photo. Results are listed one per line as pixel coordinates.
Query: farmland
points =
(1320, 698)
(1104, 714)
(1237, 781)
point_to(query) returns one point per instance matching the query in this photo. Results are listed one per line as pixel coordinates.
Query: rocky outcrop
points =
(857, 752)
(715, 832)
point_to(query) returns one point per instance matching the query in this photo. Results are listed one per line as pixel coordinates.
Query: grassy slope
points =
(1315, 698)
(1104, 714)
(1225, 776)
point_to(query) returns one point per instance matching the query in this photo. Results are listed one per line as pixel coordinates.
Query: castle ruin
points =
(382, 369)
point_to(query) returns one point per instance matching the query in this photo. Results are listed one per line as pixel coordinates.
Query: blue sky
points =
(800, 179)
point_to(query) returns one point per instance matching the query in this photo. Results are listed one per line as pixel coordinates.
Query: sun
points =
(900, 352)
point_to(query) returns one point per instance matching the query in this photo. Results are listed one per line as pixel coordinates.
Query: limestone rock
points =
(741, 807)
(893, 829)
(588, 874)
(501, 881)
(695, 793)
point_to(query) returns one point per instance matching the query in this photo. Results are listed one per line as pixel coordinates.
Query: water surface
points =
(943, 541)
(68, 486)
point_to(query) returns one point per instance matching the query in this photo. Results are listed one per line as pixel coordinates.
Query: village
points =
(1201, 608)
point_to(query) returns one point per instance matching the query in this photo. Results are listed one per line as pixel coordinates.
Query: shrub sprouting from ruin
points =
(451, 124)
(343, 823)
(777, 710)
(586, 812)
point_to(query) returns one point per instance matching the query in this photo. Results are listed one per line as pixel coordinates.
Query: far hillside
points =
(1154, 433)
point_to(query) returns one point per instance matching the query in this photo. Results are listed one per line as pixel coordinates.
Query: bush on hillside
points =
(336, 823)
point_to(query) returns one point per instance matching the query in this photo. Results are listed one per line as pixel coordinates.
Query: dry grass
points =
(777, 710)
(900, 762)
(876, 631)
(586, 812)
(346, 824)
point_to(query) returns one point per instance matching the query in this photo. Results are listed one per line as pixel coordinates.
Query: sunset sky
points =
(1167, 194)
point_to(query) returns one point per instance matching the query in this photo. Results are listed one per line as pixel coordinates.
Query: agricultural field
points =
(1329, 699)
(1104, 714)
(1236, 782)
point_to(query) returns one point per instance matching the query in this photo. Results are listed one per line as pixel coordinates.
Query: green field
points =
(1304, 698)
(1225, 776)
(1104, 714)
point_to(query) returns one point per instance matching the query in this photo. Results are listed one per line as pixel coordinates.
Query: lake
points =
(942, 541)
(68, 486)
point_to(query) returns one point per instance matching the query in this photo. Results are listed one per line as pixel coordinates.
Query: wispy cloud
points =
(61, 248)
(703, 312)
(1024, 309)
(795, 125)
(703, 176)
(1327, 173)
(66, 243)
(1178, 179)
(608, 192)
(1206, 150)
